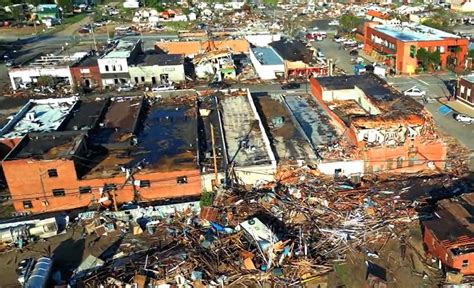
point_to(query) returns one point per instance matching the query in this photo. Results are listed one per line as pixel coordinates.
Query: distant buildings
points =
(398, 45)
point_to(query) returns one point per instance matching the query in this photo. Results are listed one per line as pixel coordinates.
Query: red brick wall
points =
(93, 76)
(464, 96)
(29, 180)
(379, 158)
(440, 251)
(402, 48)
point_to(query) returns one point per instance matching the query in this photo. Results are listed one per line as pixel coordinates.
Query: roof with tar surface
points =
(295, 50)
(49, 146)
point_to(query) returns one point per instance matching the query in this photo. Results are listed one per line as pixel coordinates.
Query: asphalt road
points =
(436, 89)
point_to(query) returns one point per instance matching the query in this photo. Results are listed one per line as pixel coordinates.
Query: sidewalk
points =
(458, 106)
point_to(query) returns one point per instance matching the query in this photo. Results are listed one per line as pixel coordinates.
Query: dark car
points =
(218, 85)
(290, 86)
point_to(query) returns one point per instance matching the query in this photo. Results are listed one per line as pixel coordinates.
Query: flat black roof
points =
(150, 58)
(88, 61)
(294, 50)
(85, 115)
(46, 146)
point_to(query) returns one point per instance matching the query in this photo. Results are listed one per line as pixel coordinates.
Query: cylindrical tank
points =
(40, 274)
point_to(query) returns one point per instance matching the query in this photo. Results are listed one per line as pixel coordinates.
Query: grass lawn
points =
(73, 19)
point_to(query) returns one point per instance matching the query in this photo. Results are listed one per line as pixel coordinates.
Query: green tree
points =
(272, 3)
(66, 5)
(428, 59)
(441, 20)
(349, 22)
(470, 54)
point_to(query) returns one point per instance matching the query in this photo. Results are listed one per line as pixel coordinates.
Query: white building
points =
(54, 66)
(155, 69)
(267, 63)
(114, 65)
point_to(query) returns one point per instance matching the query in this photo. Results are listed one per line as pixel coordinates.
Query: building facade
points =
(86, 73)
(387, 138)
(464, 92)
(398, 46)
(113, 66)
(156, 69)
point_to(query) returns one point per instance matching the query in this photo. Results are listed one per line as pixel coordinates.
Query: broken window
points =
(465, 263)
(399, 162)
(52, 173)
(59, 192)
(107, 68)
(182, 180)
(27, 204)
(145, 183)
(114, 68)
(85, 189)
(143, 79)
(110, 187)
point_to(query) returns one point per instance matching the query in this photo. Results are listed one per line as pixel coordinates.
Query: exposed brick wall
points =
(28, 180)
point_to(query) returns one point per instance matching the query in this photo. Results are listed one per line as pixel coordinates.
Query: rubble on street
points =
(287, 233)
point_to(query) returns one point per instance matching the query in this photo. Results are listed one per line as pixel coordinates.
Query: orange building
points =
(389, 131)
(398, 45)
(449, 235)
(136, 151)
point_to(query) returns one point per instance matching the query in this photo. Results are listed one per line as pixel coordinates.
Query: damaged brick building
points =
(107, 152)
(392, 132)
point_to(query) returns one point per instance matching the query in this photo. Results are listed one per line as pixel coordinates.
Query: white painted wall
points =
(120, 65)
(175, 73)
(262, 40)
(29, 74)
(348, 168)
(266, 72)
(355, 94)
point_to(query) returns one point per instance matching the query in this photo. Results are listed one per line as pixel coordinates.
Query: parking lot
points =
(333, 50)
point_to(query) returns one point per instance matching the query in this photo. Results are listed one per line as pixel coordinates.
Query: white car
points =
(464, 118)
(414, 92)
(333, 23)
(162, 88)
(339, 40)
(125, 88)
(349, 42)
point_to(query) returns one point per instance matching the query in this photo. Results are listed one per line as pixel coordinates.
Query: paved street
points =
(436, 91)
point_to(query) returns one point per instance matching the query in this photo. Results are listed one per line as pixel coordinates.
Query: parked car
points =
(349, 42)
(414, 92)
(162, 88)
(333, 23)
(125, 88)
(218, 85)
(464, 118)
(290, 86)
(339, 39)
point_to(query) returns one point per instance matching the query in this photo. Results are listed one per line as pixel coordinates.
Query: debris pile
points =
(285, 233)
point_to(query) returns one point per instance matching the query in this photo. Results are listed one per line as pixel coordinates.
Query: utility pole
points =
(214, 154)
(93, 37)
